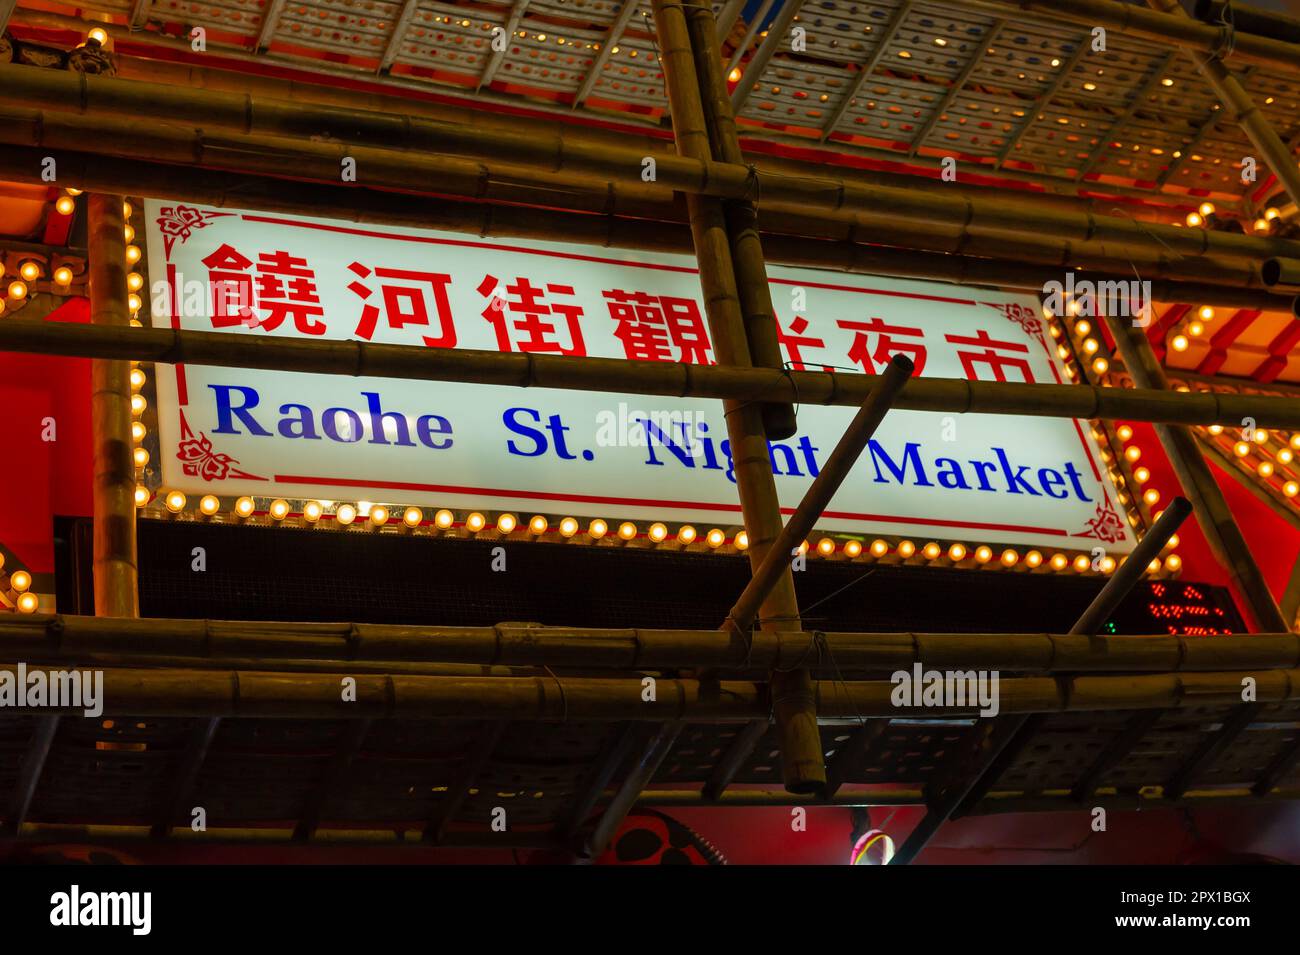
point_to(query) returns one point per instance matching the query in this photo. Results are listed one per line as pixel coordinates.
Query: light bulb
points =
(99, 35)
(30, 271)
(597, 529)
(906, 549)
(852, 548)
(1082, 563)
(134, 281)
(715, 538)
(568, 527)
(686, 534)
(138, 404)
(826, 547)
(506, 523)
(879, 548)
(983, 553)
(1206, 209)
(1033, 558)
(132, 254)
(957, 552)
(345, 514)
(209, 504)
(141, 496)
(475, 522)
(312, 511)
(64, 205)
(141, 457)
(412, 517)
(175, 501)
(279, 510)
(20, 580)
(658, 532)
(1173, 562)
(137, 379)
(931, 551)
(741, 541)
(244, 507)
(1059, 562)
(539, 525)
(1125, 432)
(17, 291)
(627, 530)
(444, 519)
(1010, 557)
(1179, 343)
(27, 603)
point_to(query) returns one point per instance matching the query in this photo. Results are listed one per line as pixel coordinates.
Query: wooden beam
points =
(270, 22)
(1248, 481)
(495, 59)
(6, 10)
(1209, 750)
(887, 35)
(955, 89)
(753, 71)
(737, 753)
(139, 15)
(612, 36)
(638, 778)
(1114, 752)
(751, 31)
(1134, 104)
(1082, 45)
(394, 45)
(607, 765)
(855, 753)
(186, 774)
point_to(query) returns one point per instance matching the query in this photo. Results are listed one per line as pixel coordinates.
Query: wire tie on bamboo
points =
(816, 641)
(564, 700)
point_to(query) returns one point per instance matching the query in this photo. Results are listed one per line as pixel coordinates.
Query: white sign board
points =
(982, 478)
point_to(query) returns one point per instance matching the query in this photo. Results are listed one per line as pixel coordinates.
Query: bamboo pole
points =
(66, 637)
(557, 698)
(884, 206)
(950, 395)
(1240, 106)
(742, 217)
(116, 593)
(802, 765)
(1157, 27)
(991, 260)
(1212, 514)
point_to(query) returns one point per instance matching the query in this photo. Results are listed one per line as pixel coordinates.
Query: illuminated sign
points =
(236, 431)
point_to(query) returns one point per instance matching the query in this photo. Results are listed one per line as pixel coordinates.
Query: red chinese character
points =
(406, 304)
(886, 347)
(296, 297)
(649, 325)
(795, 343)
(232, 288)
(527, 300)
(997, 363)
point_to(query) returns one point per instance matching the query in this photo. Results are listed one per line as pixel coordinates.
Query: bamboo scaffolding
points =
(1154, 26)
(50, 637)
(1239, 105)
(951, 395)
(880, 206)
(1212, 514)
(742, 217)
(792, 703)
(1004, 266)
(241, 693)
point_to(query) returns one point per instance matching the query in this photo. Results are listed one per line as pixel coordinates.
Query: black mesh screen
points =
(260, 573)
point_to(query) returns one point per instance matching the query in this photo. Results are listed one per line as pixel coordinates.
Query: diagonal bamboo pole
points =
(792, 698)
(950, 395)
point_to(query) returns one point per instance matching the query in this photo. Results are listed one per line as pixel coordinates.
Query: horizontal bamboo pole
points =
(952, 395)
(597, 226)
(279, 695)
(497, 180)
(367, 645)
(882, 206)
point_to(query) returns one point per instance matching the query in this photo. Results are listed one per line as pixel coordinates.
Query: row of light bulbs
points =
(1267, 468)
(17, 589)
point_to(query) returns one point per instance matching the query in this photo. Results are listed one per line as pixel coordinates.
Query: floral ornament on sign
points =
(1022, 315)
(1106, 525)
(199, 459)
(177, 223)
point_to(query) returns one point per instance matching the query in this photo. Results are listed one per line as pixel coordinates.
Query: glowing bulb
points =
(1100, 365)
(141, 496)
(598, 529)
(906, 549)
(1194, 219)
(1260, 436)
(1285, 456)
(1081, 563)
(99, 35)
(1179, 343)
(686, 533)
(134, 303)
(506, 523)
(138, 404)
(539, 525)
(852, 548)
(741, 541)
(983, 553)
(1261, 225)
(1082, 328)
(73, 192)
(65, 205)
(134, 281)
(931, 551)
(1271, 213)
(1132, 453)
(132, 254)
(568, 527)
(137, 379)
(128, 232)
(475, 522)
(715, 538)
(1171, 543)
(956, 552)
(141, 457)
(17, 291)
(658, 532)
(1151, 496)
(1241, 449)
(627, 530)
(1009, 558)
(734, 75)
(1142, 475)
(1090, 346)
(412, 517)
(209, 504)
(879, 548)
(1291, 488)
(1173, 562)
(126, 209)
(175, 501)
(1196, 329)
(27, 603)
(1154, 566)
(312, 511)
(826, 547)
(444, 519)
(30, 271)
(345, 514)
(1265, 469)
(244, 508)
(1206, 209)
(1107, 564)
(1033, 558)
(279, 509)
(1215, 429)
(1059, 562)
(1125, 432)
